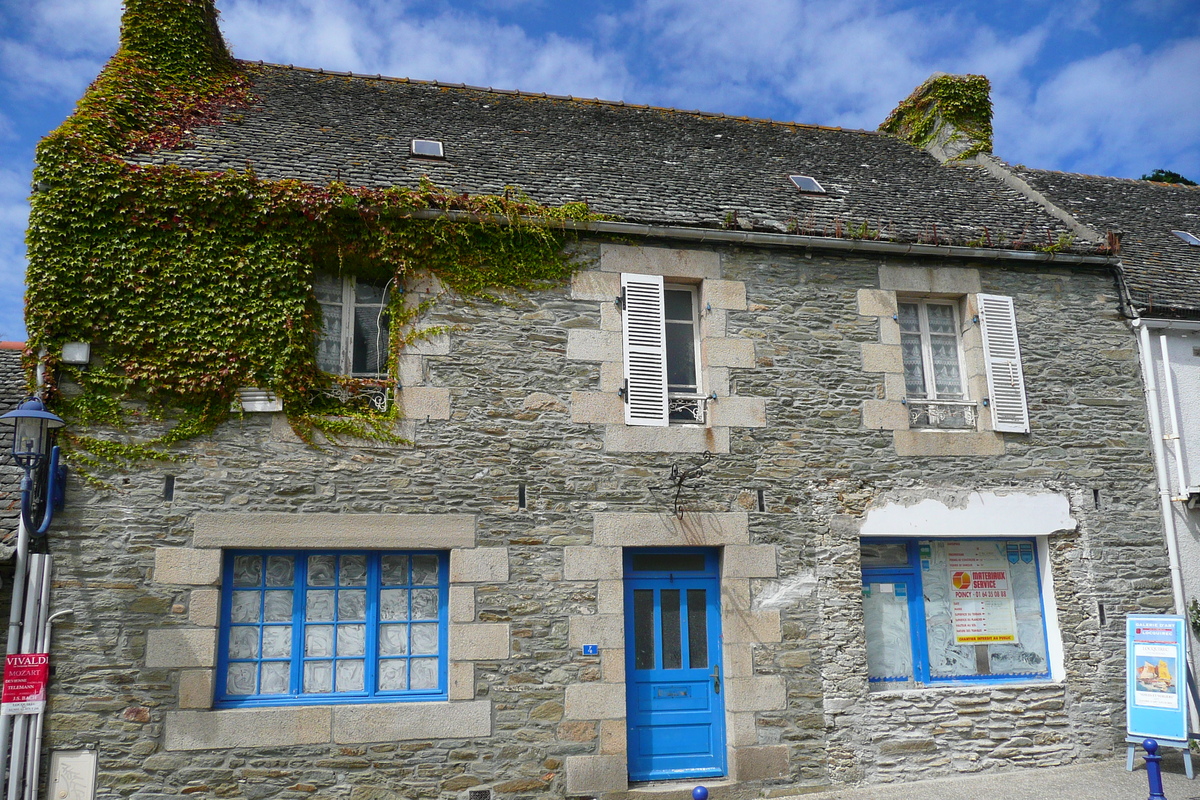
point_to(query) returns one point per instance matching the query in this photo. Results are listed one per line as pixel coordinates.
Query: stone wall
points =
(789, 484)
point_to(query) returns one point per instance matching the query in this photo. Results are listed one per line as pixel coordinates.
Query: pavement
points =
(1106, 780)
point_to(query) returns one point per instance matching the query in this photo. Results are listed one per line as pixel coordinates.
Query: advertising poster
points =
(982, 601)
(25, 678)
(1156, 662)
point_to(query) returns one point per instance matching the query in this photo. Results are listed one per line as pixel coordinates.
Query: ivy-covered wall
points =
(190, 284)
(953, 111)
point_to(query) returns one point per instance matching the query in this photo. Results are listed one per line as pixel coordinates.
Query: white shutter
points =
(1002, 353)
(643, 331)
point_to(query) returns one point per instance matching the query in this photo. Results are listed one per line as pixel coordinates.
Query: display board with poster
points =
(982, 600)
(1156, 677)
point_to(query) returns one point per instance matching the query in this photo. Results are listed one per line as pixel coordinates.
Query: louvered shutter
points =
(1002, 353)
(644, 334)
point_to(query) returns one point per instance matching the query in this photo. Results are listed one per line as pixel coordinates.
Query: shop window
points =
(939, 611)
(302, 627)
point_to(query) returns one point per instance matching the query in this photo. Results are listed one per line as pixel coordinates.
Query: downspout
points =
(1160, 463)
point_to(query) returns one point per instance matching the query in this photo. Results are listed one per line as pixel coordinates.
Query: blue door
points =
(674, 700)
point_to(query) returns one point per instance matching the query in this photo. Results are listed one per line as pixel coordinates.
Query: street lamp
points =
(32, 424)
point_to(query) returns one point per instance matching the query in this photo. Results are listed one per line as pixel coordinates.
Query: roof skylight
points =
(807, 184)
(1190, 238)
(428, 148)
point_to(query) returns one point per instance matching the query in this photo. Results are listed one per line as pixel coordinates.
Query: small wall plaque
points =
(591, 649)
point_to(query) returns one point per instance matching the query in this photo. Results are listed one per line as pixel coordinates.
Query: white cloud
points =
(393, 39)
(14, 213)
(1123, 112)
(58, 46)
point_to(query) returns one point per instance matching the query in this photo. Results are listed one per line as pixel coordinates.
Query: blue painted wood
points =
(675, 715)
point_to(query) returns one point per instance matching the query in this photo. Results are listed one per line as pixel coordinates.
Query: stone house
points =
(817, 471)
(12, 392)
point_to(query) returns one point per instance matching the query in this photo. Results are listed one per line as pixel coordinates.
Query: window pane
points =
(393, 605)
(318, 640)
(280, 570)
(239, 678)
(424, 603)
(320, 570)
(276, 678)
(672, 644)
(424, 673)
(278, 606)
(318, 676)
(885, 618)
(424, 640)
(681, 357)
(909, 317)
(349, 676)
(352, 604)
(914, 369)
(329, 343)
(697, 620)
(393, 675)
(393, 640)
(370, 340)
(425, 570)
(679, 304)
(367, 293)
(247, 571)
(277, 642)
(327, 287)
(643, 628)
(668, 562)
(941, 319)
(243, 642)
(245, 607)
(351, 640)
(394, 570)
(320, 606)
(946, 379)
(353, 571)
(888, 554)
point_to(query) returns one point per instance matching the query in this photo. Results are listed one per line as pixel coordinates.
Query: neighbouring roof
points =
(1163, 271)
(637, 163)
(12, 391)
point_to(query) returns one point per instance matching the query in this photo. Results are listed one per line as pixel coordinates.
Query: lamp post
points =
(32, 424)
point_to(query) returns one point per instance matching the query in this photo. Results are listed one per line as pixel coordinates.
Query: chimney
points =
(950, 116)
(175, 38)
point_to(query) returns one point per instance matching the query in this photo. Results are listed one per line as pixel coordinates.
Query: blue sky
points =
(1109, 88)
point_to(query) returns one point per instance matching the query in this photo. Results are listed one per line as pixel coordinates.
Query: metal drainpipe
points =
(1160, 463)
(16, 612)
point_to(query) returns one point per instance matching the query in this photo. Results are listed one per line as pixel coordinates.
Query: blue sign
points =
(1156, 677)
(591, 649)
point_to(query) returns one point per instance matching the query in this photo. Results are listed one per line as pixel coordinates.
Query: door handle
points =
(716, 676)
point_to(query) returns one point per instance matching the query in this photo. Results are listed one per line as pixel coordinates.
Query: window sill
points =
(355, 723)
(965, 688)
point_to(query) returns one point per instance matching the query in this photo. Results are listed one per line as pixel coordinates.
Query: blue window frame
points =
(302, 627)
(939, 611)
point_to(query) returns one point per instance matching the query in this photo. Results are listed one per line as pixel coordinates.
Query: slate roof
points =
(1163, 271)
(638, 163)
(12, 392)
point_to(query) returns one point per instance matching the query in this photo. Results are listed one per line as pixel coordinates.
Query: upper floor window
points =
(929, 340)
(354, 325)
(660, 326)
(304, 627)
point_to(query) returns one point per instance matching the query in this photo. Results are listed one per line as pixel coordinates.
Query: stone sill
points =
(925, 691)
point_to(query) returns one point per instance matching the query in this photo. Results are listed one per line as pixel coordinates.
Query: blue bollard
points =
(1154, 770)
(700, 793)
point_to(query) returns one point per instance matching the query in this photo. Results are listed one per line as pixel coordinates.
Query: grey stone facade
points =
(524, 398)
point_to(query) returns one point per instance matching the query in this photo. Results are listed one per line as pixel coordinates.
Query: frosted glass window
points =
(303, 627)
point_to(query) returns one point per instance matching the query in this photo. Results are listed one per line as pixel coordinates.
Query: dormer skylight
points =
(1190, 238)
(807, 184)
(427, 148)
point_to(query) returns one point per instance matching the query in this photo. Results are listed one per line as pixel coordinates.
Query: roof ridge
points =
(1104, 177)
(569, 98)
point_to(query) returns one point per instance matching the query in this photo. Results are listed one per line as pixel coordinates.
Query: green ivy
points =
(960, 102)
(190, 284)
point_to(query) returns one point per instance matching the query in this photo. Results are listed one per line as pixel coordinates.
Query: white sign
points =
(981, 593)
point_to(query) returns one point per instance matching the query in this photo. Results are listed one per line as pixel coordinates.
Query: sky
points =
(1107, 88)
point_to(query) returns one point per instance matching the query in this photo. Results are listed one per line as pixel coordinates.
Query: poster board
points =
(25, 678)
(981, 593)
(1156, 704)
